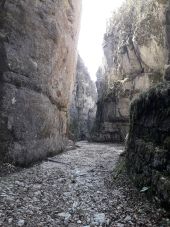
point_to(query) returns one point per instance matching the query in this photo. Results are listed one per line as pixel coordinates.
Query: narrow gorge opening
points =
(95, 21)
(70, 155)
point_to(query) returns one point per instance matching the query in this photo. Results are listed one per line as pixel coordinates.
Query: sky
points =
(95, 14)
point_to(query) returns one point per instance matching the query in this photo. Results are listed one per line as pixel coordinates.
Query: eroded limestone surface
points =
(38, 41)
(76, 189)
(136, 50)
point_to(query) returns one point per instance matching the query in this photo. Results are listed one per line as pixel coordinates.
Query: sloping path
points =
(76, 189)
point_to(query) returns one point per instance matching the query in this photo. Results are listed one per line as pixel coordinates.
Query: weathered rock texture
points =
(148, 145)
(37, 64)
(136, 49)
(83, 105)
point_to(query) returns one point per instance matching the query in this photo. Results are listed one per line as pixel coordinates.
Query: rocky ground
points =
(81, 187)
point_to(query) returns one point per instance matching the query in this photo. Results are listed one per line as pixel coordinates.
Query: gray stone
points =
(128, 218)
(10, 220)
(119, 225)
(94, 224)
(19, 183)
(108, 221)
(100, 218)
(65, 216)
(21, 223)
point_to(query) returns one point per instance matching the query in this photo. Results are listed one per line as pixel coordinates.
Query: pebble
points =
(37, 193)
(93, 224)
(120, 225)
(100, 218)
(108, 222)
(10, 220)
(21, 223)
(19, 183)
(88, 220)
(66, 217)
(75, 205)
(128, 218)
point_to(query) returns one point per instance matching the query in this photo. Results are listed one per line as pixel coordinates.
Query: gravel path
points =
(76, 188)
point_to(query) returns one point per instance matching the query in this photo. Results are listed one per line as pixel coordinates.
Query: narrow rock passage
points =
(76, 188)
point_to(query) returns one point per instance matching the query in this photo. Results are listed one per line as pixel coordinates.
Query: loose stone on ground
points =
(76, 189)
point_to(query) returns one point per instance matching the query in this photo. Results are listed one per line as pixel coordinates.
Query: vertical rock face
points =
(148, 142)
(37, 64)
(83, 105)
(136, 49)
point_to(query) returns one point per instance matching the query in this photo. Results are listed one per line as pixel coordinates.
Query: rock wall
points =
(37, 64)
(148, 142)
(83, 105)
(136, 50)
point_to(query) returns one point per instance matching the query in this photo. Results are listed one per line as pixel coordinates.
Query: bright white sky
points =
(95, 13)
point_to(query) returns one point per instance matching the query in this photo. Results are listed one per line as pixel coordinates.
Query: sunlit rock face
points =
(37, 65)
(136, 50)
(83, 105)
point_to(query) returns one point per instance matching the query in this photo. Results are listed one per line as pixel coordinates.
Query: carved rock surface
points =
(83, 105)
(37, 64)
(136, 49)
